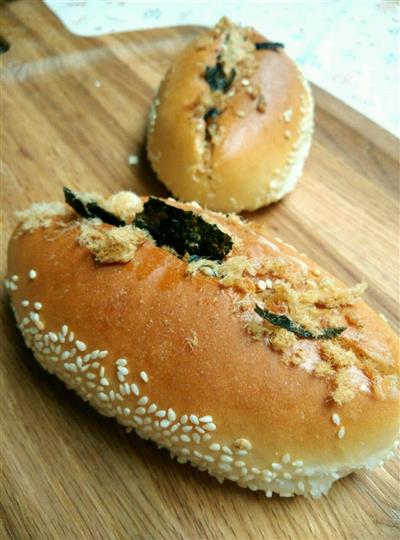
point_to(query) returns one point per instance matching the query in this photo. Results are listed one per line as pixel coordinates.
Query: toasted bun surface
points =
(250, 154)
(168, 352)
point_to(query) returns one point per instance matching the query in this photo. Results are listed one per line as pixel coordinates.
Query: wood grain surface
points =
(73, 110)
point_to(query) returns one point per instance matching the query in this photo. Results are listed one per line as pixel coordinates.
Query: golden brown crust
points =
(255, 155)
(151, 319)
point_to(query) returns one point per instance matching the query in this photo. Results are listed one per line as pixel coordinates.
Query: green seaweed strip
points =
(300, 331)
(183, 231)
(217, 79)
(91, 209)
(268, 46)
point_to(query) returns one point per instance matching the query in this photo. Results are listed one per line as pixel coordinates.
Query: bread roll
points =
(231, 125)
(259, 367)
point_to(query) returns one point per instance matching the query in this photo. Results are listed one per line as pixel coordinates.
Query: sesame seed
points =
(127, 389)
(25, 303)
(103, 396)
(71, 336)
(152, 408)
(247, 477)
(239, 463)
(121, 362)
(143, 400)
(64, 330)
(171, 415)
(102, 371)
(197, 454)
(341, 432)
(120, 377)
(102, 354)
(160, 413)
(210, 427)
(32, 274)
(276, 466)
(287, 476)
(286, 458)
(53, 337)
(138, 420)
(144, 376)
(184, 419)
(165, 423)
(336, 419)
(86, 358)
(226, 459)
(227, 450)
(194, 419)
(187, 429)
(80, 345)
(34, 316)
(65, 355)
(224, 467)
(174, 427)
(196, 438)
(301, 486)
(104, 381)
(90, 384)
(254, 470)
(210, 459)
(91, 376)
(245, 82)
(244, 470)
(69, 367)
(78, 362)
(382, 316)
(147, 420)
(112, 395)
(215, 447)
(95, 365)
(37, 305)
(241, 452)
(206, 419)
(268, 494)
(14, 277)
(123, 370)
(135, 389)
(184, 438)
(297, 463)
(94, 354)
(199, 429)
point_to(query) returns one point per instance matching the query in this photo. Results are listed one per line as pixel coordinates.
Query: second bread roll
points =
(232, 123)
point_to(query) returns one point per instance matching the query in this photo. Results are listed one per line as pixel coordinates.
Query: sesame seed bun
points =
(168, 350)
(249, 155)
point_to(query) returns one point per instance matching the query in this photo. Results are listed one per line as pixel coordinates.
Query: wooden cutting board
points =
(74, 109)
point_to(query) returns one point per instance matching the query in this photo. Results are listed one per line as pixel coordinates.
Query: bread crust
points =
(187, 351)
(257, 157)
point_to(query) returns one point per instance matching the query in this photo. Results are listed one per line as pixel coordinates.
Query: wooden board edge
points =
(375, 134)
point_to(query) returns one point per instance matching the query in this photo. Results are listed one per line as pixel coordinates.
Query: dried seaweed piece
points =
(217, 79)
(183, 231)
(300, 331)
(212, 113)
(268, 45)
(91, 209)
